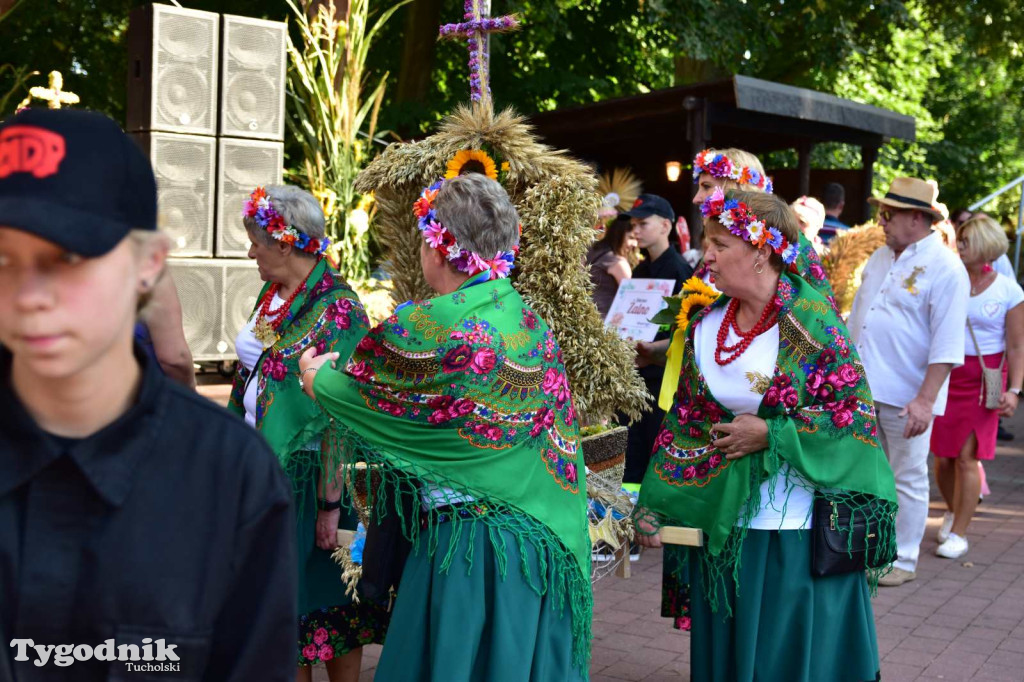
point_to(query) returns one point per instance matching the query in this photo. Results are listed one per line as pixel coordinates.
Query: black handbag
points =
(831, 551)
(387, 546)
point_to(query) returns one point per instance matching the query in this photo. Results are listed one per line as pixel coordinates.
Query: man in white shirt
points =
(908, 322)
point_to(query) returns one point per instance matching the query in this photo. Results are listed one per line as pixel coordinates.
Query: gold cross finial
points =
(54, 96)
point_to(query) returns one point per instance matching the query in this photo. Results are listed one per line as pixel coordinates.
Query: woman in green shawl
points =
(464, 399)
(772, 410)
(304, 303)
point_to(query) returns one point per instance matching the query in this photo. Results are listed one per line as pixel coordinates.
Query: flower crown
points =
(259, 207)
(739, 220)
(439, 238)
(721, 166)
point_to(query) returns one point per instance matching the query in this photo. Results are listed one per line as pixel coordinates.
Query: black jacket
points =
(172, 523)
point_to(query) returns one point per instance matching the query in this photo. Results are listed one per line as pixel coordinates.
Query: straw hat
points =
(913, 194)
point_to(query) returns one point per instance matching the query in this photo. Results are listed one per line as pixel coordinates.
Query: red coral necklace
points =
(767, 320)
(268, 321)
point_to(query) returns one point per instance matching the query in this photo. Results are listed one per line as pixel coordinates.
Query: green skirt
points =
(330, 624)
(471, 623)
(786, 624)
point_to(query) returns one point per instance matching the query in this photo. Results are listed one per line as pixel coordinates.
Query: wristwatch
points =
(326, 505)
(1015, 391)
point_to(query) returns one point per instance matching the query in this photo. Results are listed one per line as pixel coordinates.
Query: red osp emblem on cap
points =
(28, 149)
(638, 202)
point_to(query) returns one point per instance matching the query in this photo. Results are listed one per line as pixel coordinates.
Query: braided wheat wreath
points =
(557, 202)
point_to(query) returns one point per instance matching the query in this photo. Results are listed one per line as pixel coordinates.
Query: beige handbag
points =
(991, 378)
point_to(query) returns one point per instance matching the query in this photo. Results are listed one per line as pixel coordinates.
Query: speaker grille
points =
(253, 61)
(244, 164)
(185, 178)
(216, 299)
(185, 61)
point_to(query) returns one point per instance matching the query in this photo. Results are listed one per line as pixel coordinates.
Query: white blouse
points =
(987, 314)
(740, 386)
(249, 350)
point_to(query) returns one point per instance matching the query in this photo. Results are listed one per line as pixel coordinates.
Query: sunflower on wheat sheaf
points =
(694, 297)
(475, 161)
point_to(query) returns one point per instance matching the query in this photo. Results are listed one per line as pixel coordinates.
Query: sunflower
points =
(471, 160)
(696, 296)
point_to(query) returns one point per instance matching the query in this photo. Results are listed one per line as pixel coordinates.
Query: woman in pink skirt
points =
(966, 433)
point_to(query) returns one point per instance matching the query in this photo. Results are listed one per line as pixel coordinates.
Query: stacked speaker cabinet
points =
(217, 295)
(186, 174)
(244, 164)
(206, 101)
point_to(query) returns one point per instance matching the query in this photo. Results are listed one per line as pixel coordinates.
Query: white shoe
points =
(947, 525)
(953, 548)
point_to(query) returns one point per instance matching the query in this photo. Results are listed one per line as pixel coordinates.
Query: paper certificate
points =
(636, 302)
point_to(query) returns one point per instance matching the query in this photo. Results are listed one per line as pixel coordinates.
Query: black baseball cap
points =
(74, 178)
(651, 204)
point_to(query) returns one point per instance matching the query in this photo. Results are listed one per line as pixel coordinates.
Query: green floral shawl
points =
(327, 314)
(821, 420)
(467, 393)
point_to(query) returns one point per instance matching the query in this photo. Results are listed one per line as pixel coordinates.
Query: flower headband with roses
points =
(439, 238)
(739, 220)
(721, 166)
(259, 207)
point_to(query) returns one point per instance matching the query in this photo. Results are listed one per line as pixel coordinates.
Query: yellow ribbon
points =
(673, 366)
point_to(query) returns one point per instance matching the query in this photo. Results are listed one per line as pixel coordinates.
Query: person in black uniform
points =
(652, 218)
(135, 515)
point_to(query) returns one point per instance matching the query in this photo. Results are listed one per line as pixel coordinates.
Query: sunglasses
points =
(887, 214)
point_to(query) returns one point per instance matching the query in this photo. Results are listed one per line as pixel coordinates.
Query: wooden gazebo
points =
(645, 132)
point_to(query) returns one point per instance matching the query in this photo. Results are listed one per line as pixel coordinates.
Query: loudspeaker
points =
(173, 70)
(185, 168)
(243, 165)
(217, 297)
(253, 62)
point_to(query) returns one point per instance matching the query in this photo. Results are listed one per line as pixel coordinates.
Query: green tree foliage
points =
(956, 66)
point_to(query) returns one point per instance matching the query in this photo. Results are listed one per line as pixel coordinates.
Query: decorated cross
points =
(476, 29)
(54, 96)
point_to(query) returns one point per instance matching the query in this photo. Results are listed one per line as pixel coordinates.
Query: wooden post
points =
(804, 167)
(868, 156)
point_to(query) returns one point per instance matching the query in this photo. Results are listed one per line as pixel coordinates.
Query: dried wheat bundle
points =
(557, 200)
(847, 256)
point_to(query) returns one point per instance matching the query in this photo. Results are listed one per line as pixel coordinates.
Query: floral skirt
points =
(330, 625)
(334, 631)
(675, 586)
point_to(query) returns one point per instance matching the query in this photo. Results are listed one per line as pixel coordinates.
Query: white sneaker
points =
(953, 548)
(944, 529)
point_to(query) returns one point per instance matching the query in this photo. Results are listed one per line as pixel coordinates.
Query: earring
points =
(758, 266)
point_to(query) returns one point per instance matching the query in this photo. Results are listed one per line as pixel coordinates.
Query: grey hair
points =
(299, 208)
(479, 214)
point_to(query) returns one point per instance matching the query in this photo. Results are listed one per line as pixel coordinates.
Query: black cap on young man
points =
(651, 204)
(74, 178)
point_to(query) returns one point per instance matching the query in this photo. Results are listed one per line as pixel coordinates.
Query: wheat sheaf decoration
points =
(848, 254)
(557, 200)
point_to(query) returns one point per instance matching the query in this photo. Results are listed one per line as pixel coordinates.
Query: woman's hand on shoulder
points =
(744, 435)
(1008, 403)
(309, 364)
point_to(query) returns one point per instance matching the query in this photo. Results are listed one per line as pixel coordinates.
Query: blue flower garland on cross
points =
(475, 30)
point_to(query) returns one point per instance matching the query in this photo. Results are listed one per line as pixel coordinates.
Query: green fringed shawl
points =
(327, 314)
(467, 393)
(821, 420)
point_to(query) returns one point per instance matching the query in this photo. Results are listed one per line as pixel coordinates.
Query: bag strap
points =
(1002, 359)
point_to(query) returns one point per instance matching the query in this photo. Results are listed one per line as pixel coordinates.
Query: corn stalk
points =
(334, 119)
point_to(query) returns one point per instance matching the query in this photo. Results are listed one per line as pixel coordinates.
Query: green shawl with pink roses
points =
(466, 395)
(327, 314)
(821, 420)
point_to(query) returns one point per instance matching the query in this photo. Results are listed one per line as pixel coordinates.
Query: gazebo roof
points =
(746, 112)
